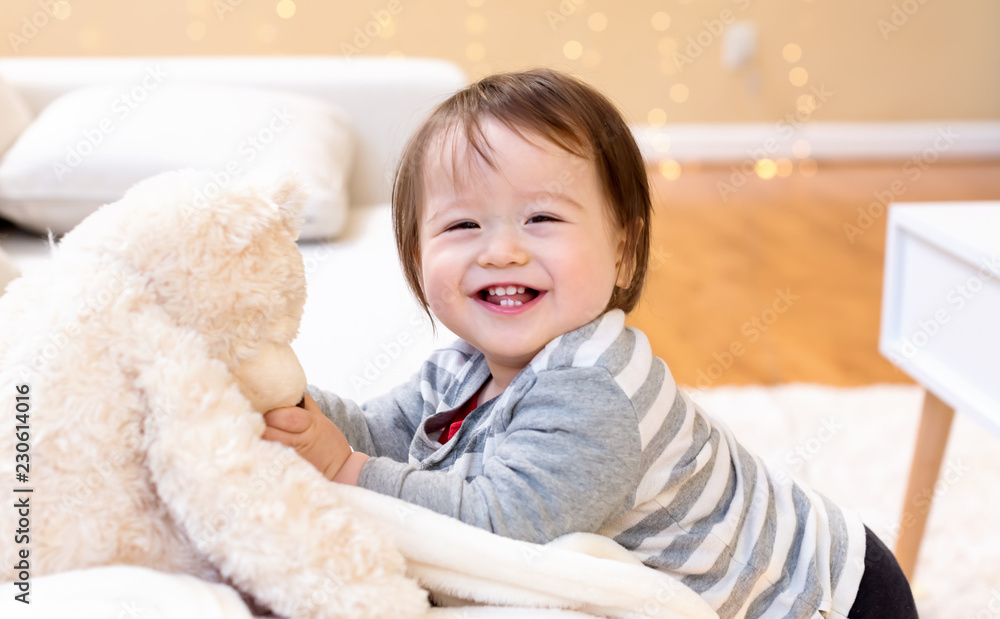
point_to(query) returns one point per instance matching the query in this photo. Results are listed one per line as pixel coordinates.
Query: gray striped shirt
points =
(594, 435)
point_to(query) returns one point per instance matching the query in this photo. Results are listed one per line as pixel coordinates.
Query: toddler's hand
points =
(311, 434)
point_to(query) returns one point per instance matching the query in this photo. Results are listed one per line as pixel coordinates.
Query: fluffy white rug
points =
(855, 446)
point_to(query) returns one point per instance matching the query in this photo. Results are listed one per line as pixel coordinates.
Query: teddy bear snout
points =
(272, 379)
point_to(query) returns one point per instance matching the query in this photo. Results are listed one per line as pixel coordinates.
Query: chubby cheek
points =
(587, 284)
(442, 282)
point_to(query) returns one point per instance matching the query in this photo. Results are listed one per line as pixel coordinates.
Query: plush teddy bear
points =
(134, 368)
(134, 362)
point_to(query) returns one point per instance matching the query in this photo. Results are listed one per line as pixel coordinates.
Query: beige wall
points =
(873, 60)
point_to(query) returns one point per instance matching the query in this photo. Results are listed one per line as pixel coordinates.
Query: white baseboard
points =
(732, 143)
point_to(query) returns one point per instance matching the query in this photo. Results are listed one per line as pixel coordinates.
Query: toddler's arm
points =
(568, 460)
(382, 426)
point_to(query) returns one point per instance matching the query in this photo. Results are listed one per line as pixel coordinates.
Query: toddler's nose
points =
(502, 248)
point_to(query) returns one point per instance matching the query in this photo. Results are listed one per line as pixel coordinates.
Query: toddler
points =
(521, 212)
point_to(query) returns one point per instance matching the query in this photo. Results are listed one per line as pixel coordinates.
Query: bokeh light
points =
(679, 93)
(766, 168)
(61, 10)
(670, 169)
(572, 50)
(660, 21)
(475, 23)
(798, 76)
(196, 30)
(791, 52)
(285, 9)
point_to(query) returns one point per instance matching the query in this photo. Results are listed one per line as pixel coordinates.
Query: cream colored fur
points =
(144, 451)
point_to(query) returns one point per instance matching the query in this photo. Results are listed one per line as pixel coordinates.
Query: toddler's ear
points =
(624, 264)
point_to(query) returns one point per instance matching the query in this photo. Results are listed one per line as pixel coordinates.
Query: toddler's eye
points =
(463, 225)
(541, 218)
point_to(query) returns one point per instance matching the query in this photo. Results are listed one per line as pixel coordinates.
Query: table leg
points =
(932, 438)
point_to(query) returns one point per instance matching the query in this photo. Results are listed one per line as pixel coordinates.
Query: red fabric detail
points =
(456, 421)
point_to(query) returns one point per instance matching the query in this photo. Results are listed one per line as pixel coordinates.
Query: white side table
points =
(941, 325)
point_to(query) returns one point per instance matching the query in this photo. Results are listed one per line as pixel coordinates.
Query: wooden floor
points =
(781, 281)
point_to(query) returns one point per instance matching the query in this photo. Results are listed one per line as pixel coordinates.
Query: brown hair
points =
(555, 106)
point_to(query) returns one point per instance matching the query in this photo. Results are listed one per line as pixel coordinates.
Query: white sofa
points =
(362, 332)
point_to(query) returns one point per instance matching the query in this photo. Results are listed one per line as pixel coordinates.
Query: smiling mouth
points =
(507, 296)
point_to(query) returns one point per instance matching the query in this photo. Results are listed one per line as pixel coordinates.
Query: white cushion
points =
(89, 146)
(14, 115)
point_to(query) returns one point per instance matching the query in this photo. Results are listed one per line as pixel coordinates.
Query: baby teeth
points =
(509, 302)
(508, 290)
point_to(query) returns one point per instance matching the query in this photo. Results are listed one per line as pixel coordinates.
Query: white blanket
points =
(577, 575)
(7, 271)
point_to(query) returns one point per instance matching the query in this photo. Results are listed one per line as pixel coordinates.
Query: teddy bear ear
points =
(289, 195)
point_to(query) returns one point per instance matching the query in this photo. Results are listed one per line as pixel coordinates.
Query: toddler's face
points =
(511, 260)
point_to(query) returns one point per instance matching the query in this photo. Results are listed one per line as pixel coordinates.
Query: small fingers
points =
(279, 436)
(289, 419)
